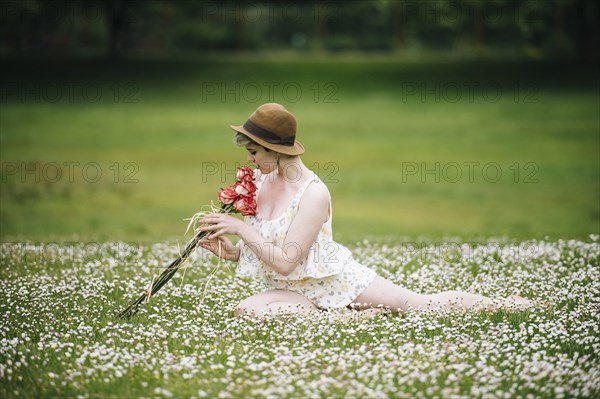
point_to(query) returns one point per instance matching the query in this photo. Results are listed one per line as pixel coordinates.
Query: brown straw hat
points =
(273, 127)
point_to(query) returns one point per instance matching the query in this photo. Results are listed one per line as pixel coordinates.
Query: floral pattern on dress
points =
(328, 275)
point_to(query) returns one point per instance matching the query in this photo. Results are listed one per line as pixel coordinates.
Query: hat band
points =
(267, 135)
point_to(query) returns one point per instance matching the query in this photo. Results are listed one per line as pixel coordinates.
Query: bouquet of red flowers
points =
(241, 196)
(238, 198)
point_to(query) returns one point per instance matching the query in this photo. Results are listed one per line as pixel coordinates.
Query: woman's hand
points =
(221, 224)
(227, 250)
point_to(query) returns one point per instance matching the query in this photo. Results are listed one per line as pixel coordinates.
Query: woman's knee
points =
(247, 307)
(256, 305)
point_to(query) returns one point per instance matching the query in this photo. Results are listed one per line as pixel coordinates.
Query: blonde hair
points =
(241, 139)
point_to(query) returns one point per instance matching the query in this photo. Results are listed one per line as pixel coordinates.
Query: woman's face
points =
(265, 161)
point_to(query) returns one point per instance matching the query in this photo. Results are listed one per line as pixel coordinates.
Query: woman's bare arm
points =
(313, 211)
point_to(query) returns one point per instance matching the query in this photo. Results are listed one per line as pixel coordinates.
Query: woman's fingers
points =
(205, 244)
(218, 225)
(220, 246)
(212, 222)
(226, 241)
(218, 233)
(210, 227)
(206, 228)
(211, 218)
(210, 246)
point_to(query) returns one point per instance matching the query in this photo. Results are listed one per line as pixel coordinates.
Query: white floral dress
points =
(328, 276)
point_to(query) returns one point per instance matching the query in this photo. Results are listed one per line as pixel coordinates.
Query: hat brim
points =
(296, 149)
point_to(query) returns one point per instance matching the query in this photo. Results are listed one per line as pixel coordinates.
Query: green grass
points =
(60, 335)
(542, 134)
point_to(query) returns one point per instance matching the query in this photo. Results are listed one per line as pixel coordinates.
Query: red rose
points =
(245, 174)
(241, 190)
(227, 195)
(242, 193)
(245, 205)
(248, 188)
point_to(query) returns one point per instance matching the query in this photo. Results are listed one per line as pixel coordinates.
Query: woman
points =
(289, 244)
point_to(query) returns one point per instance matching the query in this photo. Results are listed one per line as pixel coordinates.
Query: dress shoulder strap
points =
(259, 181)
(313, 178)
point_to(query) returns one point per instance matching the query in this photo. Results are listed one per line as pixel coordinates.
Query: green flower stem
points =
(169, 272)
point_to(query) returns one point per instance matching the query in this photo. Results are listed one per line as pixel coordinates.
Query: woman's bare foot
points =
(519, 302)
(510, 303)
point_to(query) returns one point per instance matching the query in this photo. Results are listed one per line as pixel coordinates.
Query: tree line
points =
(536, 28)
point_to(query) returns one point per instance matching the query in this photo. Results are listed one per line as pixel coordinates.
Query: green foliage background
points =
(159, 134)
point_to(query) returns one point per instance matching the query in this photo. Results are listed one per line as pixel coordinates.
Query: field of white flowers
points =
(59, 335)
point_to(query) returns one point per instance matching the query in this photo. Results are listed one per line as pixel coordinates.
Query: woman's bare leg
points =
(384, 292)
(274, 302)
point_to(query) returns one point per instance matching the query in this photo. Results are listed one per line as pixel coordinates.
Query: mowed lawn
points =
(92, 150)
